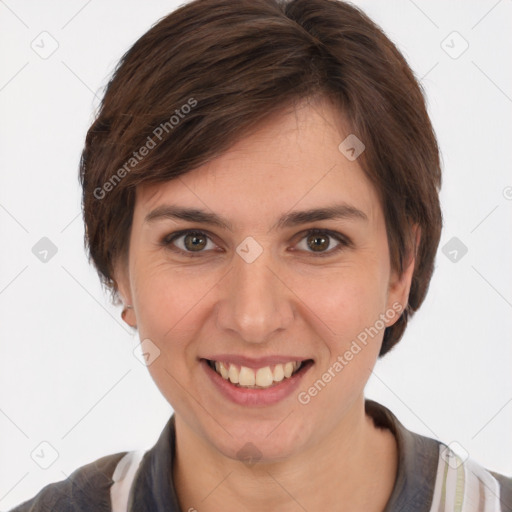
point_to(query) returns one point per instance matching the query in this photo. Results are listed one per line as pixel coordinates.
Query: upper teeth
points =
(262, 377)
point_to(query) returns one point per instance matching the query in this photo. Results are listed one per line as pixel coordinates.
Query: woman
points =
(260, 191)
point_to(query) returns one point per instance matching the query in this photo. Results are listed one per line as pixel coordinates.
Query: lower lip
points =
(256, 397)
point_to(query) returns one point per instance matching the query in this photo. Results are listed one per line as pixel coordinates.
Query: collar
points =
(417, 463)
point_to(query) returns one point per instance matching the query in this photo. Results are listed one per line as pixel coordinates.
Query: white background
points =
(68, 375)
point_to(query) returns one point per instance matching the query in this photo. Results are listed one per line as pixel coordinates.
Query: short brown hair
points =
(209, 72)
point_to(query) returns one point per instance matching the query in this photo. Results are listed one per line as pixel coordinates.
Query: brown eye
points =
(194, 241)
(318, 242)
(188, 242)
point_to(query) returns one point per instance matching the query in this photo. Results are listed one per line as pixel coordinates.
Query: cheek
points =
(346, 299)
(345, 309)
(169, 313)
(162, 288)
(170, 303)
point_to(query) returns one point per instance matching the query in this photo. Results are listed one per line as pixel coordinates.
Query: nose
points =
(255, 303)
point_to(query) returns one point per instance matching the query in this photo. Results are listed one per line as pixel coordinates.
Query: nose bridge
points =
(256, 303)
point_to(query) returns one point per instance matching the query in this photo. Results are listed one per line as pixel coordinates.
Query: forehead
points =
(292, 160)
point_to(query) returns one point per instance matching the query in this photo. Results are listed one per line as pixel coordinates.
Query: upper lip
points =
(254, 362)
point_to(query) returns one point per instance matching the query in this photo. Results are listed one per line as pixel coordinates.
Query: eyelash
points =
(344, 242)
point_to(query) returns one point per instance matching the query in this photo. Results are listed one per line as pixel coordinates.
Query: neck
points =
(354, 465)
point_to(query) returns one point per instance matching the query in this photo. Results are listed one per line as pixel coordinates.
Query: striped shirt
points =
(430, 478)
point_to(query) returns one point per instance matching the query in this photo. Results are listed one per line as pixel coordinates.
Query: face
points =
(264, 286)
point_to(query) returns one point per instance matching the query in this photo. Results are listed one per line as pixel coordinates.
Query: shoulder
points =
(86, 489)
(465, 481)
(431, 476)
(505, 485)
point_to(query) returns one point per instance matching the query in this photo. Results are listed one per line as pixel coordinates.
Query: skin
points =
(289, 300)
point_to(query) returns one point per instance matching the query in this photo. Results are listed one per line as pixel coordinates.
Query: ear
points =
(400, 285)
(122, 279)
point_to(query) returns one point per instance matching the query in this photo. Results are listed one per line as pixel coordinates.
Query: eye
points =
(192, 242)
(318, 240)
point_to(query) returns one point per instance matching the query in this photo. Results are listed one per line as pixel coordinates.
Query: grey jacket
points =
(430, 478)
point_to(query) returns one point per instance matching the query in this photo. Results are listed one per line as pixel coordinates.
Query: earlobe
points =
(123, 287)
(128, 311)
(400, 286)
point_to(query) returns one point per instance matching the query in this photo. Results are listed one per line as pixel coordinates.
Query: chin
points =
(269, 440)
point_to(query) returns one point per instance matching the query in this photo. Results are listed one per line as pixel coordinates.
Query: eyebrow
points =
(291, 219)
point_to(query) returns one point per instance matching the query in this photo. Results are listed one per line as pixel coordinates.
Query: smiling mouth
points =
(260, 378)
